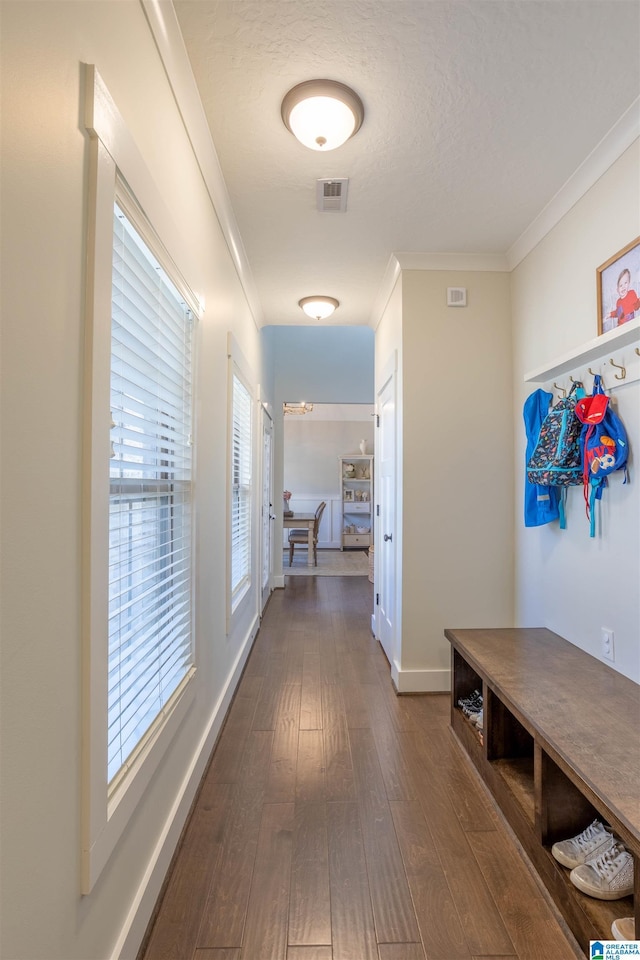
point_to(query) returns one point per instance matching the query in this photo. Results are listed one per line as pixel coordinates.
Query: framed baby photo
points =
(348, 496)
(618, 282)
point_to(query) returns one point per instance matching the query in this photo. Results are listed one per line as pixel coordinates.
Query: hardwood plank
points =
(484, 930)
(525, 913)
(390, 896)
(352, 929)
(223, 954)
(310, 781)
(226, 907)
(339, 783)
(267, 706)
(356, 709)
(401, 951)
(281, 786)
(311, 697)
(265, 932)
(395, 763)
(174, 933)
(438, 919)
(309, 953)
(255, 760)
(310, 905)
(226, 763)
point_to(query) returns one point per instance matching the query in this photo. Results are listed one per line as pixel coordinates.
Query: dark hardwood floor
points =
(338, 821)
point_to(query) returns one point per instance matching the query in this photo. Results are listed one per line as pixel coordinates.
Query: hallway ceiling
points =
(476, 114)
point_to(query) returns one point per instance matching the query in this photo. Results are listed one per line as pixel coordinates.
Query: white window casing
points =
(138, 661)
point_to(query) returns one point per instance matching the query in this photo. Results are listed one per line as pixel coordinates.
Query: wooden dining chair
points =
(301, 536)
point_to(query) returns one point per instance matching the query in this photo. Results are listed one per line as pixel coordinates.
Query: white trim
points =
(484, 263)
(623, 133)
(385, 289)
(164, 26)
(239, 366)
(592, 350)
(420, 681)
(132, 932)
(112, 151)
(398, 262)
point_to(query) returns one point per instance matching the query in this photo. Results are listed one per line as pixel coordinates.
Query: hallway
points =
(337, 821)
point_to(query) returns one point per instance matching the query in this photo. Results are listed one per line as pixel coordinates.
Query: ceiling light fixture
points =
(318, 308)
(297, 408)
(322, 114)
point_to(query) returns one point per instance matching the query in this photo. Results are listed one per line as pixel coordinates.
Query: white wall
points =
(458, 474)
(566, 581)
(44, 191)
(311, 466)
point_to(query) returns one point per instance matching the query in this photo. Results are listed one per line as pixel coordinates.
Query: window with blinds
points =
(150, 641)
(240, 492)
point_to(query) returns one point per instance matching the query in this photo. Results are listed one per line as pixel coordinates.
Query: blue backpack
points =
(556, 460)
(603, 446)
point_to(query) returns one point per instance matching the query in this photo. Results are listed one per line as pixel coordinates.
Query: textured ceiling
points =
(476, 114)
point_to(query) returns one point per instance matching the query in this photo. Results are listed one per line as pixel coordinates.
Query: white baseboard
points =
(141, 909)
(420, 681)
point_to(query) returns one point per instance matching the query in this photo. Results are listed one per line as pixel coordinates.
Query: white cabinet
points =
(356, 485)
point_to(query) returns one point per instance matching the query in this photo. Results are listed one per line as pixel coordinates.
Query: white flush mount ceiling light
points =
(322, 114)
(318, 308)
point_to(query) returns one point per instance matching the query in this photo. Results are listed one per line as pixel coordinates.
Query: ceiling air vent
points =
(331, 195)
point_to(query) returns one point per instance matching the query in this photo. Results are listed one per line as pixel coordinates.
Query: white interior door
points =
(385, 546)
(267, 507)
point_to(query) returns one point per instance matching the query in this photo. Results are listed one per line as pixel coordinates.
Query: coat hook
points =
(561, 390)
(618, 376)
(589, 370)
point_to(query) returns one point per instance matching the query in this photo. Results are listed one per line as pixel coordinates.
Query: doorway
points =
(315, 437)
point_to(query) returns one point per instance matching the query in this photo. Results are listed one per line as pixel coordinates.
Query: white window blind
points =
(241, 491)
(150, 647)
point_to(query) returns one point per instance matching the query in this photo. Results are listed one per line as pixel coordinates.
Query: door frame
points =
(392, 551)
(267, 515)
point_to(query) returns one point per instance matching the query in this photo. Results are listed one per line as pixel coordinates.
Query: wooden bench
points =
(560, 747)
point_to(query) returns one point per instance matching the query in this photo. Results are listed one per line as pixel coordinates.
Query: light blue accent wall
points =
(321, 364)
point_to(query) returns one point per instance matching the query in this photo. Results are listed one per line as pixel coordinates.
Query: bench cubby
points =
(560, 747)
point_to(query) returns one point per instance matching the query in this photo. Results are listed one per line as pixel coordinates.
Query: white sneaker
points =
(587, 845)
(607, 877)
(624, 928)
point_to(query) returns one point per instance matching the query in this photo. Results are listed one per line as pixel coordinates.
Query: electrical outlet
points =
(607, 644)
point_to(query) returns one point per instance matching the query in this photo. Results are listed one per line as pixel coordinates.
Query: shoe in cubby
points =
(624, 928)
(593, 840)
(607, 877)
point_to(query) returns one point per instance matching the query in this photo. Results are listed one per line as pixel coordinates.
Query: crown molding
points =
(619, 138)
(491, 263)
(164, 26)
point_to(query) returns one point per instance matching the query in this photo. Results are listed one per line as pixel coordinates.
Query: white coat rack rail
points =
(614, 355)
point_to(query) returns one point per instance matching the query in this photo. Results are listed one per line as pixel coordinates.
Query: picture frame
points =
(348, 496)
(618, 284)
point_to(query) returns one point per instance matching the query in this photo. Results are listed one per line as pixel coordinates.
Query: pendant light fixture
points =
(322, 114)
(318, 308)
